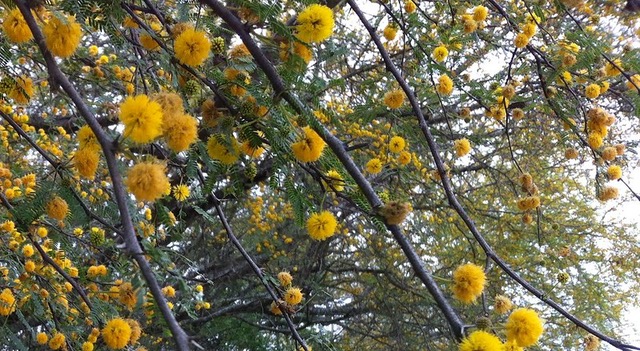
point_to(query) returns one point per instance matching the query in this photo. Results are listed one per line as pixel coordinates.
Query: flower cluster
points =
(310, 147)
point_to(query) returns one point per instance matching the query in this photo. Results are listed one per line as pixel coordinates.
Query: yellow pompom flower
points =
(390, 32)
(314, 24)
(22, 90)
(87, 346)
(7, 302)
(334, 180)
(592, 91)
(226, 154)
(142, 118)
(481, 341)
(169, 291)
(614, 172)
(57, 341)
(530, 29)
(148, 181)
(87, 139)
(480, 13)
(116, 334)
(149, 43)
(171, 103)
(285, 278)
(410, 6)
(293, 296)
(529, 203)
(181, 192)
(62, 36)
(502, 304)
(445, 85)
(404, 158)
(524, 327)
(440, 53)
(42, 338)
(608, 193)
(192, 47)
(57, 208)
(180, 131)
(86, 162)
(27, 250)
(462, 147)
(511, 346)
(136, 331)
(397, 144)
(310, 147)
(468, 282)
(521, 40)
(594, 140)
(15, 27)
(394, 98)
(374, 166)
(321, 225)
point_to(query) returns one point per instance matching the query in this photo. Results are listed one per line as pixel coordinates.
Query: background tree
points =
(267, 175)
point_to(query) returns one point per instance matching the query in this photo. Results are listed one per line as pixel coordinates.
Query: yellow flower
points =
(611, 70)
(293, 296)
(42, 338)
(635, 79)
(335, 180)
(310, 147)
(181, 192)
(22, 90)
(297, 48)
(511, 346)
(192, 47)
(521, 40)
(86, 162)
(116, 334)
(480, 13)
(390, 32)
(171, 103)
(440, 53)
(321, 225)
(148, 181)
(169, 291)
(594, 140)
(142, 118)
(374, 166)
(148, 42)
(180, 131)
(404, 158)
(57, 341)
(502, 304)
(394, 98)
(275, 309)
(614, 172)
(86, 138)
(608, 193)
(251, 151)
(29, 266)
(7, 302)
(529, 30)
(396, 144)
(591, 342)
(87, 346)
(524, 326)
(57, 208)
(410, 6)
(314, 24)
(461, 147)
(62, 36)
(127, 295)
(395, 212)
(27, 250)
(481, 341)
(227, 154)
(468, 282)
(285, 278)
(592, 91)
(529, 203)
(15, 27)
(136, 331)
(445, 85)
(93, 50)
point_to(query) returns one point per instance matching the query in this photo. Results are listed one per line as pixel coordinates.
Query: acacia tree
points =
(269, 175)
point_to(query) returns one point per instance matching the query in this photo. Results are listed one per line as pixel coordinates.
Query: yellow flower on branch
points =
(192, 47)
(62, 36)
(314, 24)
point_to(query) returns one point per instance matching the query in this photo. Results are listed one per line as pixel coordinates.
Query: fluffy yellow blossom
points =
(480, 340)
(594, 140)
(57, 341)
(445, 85)
(42, 338)
(592, 91)
(149, 43)
(611, 70)
(181, 192)
(374, 166)
(524, 326)
(169, 291)
(192, 47)
(440, 53)
(62, 36)
(468, 282)
(396, 144)
(591, 342)
(22, 90)
(608, 193)
(142, 118)
(310, 147)
(529, 29)
(86, 138)
(390, 32)
(180, 131)
(521, 40)
(285, 278)
(15, 27)
(502, 304)
(334, 180)
(27, 250)
(529, 203)
(86, 162)
(404, 158)
(136, 331)
(321, 225)
(225, 153)
(395, 212)
(293, 296)
(87, 346)
(410, 6)
(480, 13)
(57, 208)
(614, 172)
(7, 302)
(461, 147)
(116, 334)
(314, 24)
(171, 103)
(148, 181)
(394, 98)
